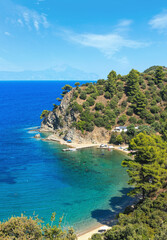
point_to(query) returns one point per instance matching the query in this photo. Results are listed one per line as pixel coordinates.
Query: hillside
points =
(90, 112)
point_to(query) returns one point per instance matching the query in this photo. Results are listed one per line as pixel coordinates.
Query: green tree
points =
(21, 228)
(119, 139)
(139, 102)
(44, 114)
(122, 119)
(147, 171)
(132, 84)
(159, 74)
(77, 84)
(110, 85)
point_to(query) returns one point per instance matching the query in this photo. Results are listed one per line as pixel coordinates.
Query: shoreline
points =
(98, 227)
(54, 138)
(85, 235)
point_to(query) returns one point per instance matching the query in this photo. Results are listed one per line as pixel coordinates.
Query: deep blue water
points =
(36, 176)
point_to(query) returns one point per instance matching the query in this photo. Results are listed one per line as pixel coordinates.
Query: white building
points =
(122, 129)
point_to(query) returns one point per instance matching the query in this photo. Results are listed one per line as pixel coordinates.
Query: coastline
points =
(54, 138)
(97, 228)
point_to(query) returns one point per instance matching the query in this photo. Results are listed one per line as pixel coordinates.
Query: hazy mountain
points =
(62, 73)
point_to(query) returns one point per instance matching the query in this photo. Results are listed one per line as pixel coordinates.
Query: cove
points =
(87, 186)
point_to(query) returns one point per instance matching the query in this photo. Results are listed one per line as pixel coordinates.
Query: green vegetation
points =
(136, 98)
(29, 228)
(148, 176)
(45, 113)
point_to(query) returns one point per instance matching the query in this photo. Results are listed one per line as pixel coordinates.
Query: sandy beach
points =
(88, 234)
(77, 146)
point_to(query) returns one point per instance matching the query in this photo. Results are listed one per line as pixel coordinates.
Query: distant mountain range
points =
(64, 73)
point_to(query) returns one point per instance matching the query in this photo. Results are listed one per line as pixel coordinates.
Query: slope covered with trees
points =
(148, 176)
(134, 100)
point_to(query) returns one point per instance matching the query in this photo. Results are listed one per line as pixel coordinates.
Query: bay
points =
(86, 186)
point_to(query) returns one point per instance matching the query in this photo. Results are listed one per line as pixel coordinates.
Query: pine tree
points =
(110, 85)
(147, 171)
(159, 74)
(132, 84)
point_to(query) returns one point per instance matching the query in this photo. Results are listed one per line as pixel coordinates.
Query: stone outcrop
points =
(60, 122)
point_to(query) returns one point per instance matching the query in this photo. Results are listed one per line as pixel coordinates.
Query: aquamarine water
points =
(86, 186)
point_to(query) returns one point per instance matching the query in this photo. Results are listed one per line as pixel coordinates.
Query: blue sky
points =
(90, 36)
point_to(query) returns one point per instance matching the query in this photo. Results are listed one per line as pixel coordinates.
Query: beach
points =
(53, 137)
(88, 234)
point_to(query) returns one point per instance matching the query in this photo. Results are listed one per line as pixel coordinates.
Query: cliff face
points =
(60, 123)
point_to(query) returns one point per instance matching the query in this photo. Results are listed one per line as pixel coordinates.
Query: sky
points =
(90, 36)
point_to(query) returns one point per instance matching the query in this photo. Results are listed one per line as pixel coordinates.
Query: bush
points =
(75, 94)
(132, 120)
(113, 138)
(91, 101)
(107, 95)
(20, 228)
(119, 139)
(154, 109)
(83, 95)
(113, 104)
(122, 119)
(124, 104)
(76, 107)
(96, 236)
(129, 112)
(85, 105)
(99, 122)
(99, 106)
(44, 114)
(94, 95)
(140, 121)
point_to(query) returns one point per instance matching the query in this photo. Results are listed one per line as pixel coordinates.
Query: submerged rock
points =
(37, 136)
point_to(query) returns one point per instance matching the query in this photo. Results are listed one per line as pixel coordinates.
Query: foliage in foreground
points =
(23, 228)
(148, 176)
(147, 222)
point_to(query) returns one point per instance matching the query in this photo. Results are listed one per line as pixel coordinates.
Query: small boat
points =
(69, 150)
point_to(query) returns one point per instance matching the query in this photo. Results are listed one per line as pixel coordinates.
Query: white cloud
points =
(31, 18)
(7, 33)
(108, 44)
(159, 22)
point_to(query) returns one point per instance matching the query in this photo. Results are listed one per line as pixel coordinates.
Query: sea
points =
(86, 187)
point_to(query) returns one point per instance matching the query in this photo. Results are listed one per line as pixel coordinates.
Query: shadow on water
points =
(117, 204)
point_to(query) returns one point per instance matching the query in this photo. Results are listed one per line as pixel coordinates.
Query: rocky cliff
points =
(60, 123)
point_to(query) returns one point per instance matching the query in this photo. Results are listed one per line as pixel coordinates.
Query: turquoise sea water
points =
(86, 186)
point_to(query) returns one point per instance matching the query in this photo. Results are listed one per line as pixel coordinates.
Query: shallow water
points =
(35, 176)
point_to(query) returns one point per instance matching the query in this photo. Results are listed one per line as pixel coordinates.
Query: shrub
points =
(91, 101)
(129, 111)
(100, 92)
(124, 104)
(107, 95)
(85, 105)
(99, 106)
(83, 95)
(20, 228)
(113, 104)
(122, 119)
(99, 122)
(119, 139)
(113, 138)
(44, 114)
(87, 116)
(140, 121)
(132, 120)
(154, 109)
(117, 111)
(75, 94)
(76, 107)
(96, 236)
(94, 95)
